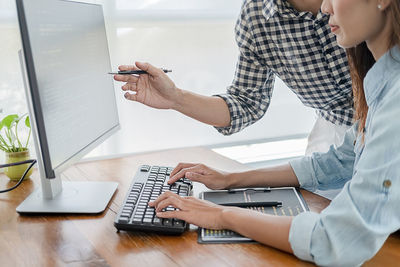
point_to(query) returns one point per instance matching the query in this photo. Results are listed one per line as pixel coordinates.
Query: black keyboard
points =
(148, 183)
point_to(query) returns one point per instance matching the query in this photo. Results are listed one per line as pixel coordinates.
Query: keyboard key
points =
(167, 222)
(125, 214)
(147, 220)
(136, 189)
(169, 170)
(127, 210)
(149, 214)
(157, 221)
(145, 168)
(184, 189)
(123, 219)
(139, 213)
(177, 223)
(170, 208)
(137, 219)
(154, 169)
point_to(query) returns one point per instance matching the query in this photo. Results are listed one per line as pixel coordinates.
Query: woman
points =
(355, 225)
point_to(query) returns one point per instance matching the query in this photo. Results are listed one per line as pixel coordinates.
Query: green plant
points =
(9, 139)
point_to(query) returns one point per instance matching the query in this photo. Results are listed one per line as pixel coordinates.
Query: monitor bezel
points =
(34, 91)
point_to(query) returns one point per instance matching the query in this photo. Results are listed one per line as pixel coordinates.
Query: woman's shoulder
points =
(390, 96)
(386, 112)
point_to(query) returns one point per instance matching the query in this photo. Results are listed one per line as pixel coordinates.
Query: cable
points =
(31, 161)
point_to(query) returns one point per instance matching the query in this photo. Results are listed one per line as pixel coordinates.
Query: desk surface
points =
(93, 240)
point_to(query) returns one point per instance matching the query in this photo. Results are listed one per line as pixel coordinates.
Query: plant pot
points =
(15, 172)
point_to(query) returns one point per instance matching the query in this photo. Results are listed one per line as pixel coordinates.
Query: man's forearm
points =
(282, 175)
(211, 110)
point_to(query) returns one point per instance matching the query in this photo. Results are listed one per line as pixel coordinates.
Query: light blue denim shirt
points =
(355, 225)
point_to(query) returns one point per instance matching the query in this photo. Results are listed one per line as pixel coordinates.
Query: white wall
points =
(193, 38)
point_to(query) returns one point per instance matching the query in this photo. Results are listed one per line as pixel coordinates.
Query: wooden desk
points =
(93, 240)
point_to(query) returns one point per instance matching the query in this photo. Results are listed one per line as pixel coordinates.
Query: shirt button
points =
(387, 183)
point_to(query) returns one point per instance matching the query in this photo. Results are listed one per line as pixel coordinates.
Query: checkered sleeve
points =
(249, 95)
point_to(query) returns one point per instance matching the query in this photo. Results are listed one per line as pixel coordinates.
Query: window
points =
(193, 38)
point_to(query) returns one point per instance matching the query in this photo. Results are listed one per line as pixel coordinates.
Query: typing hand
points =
(211, 178)
(154, 89)
(192, 210)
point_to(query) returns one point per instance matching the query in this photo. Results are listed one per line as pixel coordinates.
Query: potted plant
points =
(15, 149)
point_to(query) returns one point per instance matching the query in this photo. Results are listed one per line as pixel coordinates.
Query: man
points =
(290, 39)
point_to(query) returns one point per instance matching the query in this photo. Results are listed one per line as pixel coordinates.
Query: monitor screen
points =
(67, 60)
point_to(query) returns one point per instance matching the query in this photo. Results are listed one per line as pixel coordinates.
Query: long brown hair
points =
(361, 60)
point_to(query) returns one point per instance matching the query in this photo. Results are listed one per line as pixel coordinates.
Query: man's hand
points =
(154, 89)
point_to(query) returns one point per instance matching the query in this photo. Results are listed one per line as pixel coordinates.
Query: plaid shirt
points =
(274, 39)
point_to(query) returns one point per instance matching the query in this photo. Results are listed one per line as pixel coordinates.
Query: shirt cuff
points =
(301, 168)
(232, 128)
(300, 234)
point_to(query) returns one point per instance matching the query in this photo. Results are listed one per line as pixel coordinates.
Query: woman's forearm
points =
(211, 110)
(282, 175)
(264, 228)
(267, 229)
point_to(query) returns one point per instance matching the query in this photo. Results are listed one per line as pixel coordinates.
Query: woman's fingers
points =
(199, 169)
(160, 198)
(167, 197)
(195, 177)
(170, 201)
(181, 166)
(165, 200)
(199, 212)
(170, 214)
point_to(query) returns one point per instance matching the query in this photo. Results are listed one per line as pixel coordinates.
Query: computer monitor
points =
(71, 99)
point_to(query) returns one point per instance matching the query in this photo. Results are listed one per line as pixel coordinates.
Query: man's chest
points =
(302, 53)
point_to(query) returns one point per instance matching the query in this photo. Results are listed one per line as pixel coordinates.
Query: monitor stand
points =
(72, 197)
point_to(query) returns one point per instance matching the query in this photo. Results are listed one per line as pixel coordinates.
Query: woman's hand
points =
(211, 178)
(192, 210)
(154, 89)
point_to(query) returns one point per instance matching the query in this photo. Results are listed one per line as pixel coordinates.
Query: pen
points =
(253, 204)
(130, 72)
(250, 190)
